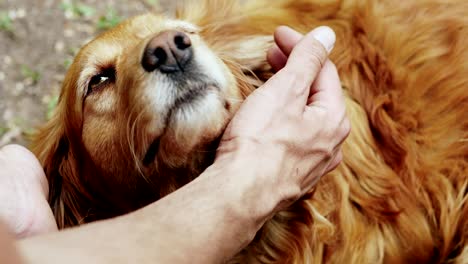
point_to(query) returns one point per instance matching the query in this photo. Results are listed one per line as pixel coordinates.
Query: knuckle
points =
(339, 156)
(321, 115)
(327, 152)
(14, 150)
(316, 56)
(309, 59)
(333, 125)
(339, 125)
(346, 128)
(335, 164)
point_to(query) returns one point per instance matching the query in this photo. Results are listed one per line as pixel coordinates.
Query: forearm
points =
(8, 254)
(207, 221)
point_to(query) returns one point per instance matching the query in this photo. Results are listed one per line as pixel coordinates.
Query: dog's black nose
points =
(169, 52)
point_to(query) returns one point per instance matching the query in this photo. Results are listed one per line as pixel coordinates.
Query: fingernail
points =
(326, 36)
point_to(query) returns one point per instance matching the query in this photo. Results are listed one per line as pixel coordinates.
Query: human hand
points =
(23, 193)
(293, 126)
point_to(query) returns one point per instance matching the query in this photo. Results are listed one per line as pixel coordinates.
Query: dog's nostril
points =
(160, 55)
(182, 41)
(153, 58)
(168, 52)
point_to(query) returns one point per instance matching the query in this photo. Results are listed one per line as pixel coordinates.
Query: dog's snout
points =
(168, 52)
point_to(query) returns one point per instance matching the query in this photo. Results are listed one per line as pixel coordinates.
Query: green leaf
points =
(110, 20)
(78, 9)
(29, 73)
(84, 10)
(6, 23)
(67, 62)
(66, 6)
(3, 130)
(152, 2)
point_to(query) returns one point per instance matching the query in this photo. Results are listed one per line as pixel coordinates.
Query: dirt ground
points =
(38, 39)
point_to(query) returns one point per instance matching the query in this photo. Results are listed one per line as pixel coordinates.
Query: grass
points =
(3, 130)
(71, 53)
(28, 132)
(78, 9)
(6, 23)
(110, 20)
(67, 62)
(152, 2)
(31, 74)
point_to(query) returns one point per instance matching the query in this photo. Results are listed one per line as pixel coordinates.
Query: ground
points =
(38, 40)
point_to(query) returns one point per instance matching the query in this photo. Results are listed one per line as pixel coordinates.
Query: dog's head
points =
(141, 110)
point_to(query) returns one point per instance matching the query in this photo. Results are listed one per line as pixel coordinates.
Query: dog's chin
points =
(195, 121)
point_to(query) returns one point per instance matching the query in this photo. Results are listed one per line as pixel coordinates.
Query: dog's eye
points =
(100, 80)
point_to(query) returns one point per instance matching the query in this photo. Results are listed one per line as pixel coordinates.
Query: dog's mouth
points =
(189, 97)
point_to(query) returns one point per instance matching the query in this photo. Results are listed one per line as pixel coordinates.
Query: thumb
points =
(307, 59)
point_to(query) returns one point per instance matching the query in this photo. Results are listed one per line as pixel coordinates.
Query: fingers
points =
(286, 39)
(306, 60)
(21, 155)
(326, 92)
(24, 191)
(276, 58)
(335, 162)
(311, 52)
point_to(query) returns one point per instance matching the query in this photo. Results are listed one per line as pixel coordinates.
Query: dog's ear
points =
(248, 51)
(251, 55)
(51, 147)
(224, 27)
(247, 59)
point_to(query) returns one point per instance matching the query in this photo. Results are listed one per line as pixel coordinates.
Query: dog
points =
(143, 106)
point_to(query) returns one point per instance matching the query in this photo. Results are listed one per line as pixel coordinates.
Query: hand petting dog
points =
(23, 193)
(296, 122)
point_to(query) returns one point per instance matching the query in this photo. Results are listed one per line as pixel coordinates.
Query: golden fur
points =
(399, 195)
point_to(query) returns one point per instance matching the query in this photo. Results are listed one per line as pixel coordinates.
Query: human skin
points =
(23, 193)
(265, 162)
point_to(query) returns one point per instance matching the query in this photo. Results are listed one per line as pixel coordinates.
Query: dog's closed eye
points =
(101, 80)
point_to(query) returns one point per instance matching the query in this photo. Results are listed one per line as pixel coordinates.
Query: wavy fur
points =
(400, 194)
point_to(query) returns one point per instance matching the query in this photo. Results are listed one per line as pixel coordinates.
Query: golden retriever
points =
(144, 104)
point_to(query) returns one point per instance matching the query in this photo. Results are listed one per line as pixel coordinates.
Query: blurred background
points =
(38, 40)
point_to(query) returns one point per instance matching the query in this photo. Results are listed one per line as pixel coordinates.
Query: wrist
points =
(253, 172)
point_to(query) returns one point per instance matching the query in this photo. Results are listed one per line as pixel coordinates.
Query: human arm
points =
(23, 193)
(269, 156)
(206, 221)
